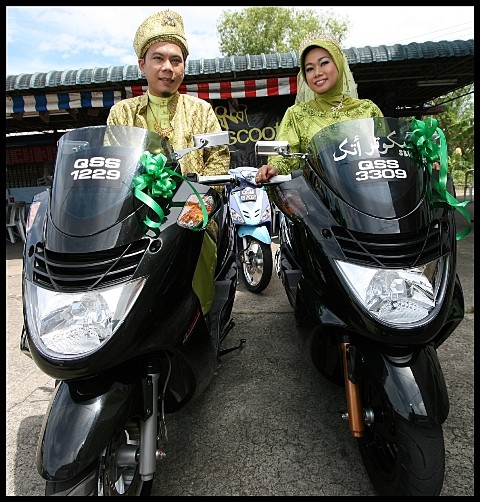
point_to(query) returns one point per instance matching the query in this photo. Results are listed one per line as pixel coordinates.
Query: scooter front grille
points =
(393, 250)
(71, 272)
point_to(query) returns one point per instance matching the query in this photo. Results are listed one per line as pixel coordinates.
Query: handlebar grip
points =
(216, 179)
(279, 178)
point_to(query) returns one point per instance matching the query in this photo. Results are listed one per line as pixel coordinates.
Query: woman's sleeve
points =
(286, 132)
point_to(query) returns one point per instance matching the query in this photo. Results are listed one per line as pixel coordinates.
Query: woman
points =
(333, 98)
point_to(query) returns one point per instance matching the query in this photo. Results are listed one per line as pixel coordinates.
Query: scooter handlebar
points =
(274, 180)
(214, 179)
(231, 179)
(279, 178)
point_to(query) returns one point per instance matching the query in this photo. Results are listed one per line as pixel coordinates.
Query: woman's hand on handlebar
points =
(264, 174)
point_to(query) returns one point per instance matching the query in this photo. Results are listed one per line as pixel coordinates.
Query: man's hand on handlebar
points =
(264, 174)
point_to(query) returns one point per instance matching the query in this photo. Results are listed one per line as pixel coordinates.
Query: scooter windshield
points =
(367, 163)
(93, 179)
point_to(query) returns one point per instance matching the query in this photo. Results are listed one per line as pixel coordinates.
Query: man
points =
(161, 47)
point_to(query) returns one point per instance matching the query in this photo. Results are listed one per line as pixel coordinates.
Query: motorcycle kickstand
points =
(222, 352)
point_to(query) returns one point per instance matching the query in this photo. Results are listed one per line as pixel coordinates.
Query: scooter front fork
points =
(149, 454)
(352, 391)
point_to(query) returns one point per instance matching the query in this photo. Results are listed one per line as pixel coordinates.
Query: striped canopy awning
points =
(255, 88)
(60, 101)
(64, 101)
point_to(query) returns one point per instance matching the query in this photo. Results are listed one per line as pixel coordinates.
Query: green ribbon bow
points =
(158, 182)
(423, 143)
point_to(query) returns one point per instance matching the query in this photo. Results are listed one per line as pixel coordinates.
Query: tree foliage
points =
(268, 30)
(457, 122)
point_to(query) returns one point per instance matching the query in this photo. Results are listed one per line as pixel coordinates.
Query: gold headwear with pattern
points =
(163, 26)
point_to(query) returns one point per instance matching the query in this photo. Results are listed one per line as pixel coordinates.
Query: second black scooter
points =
(367, 258)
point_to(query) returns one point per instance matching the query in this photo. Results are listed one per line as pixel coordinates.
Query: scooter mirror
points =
(271, 147)
(211, 139)
(206, 140)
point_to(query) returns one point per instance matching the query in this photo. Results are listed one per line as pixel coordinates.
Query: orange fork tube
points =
(352, 391)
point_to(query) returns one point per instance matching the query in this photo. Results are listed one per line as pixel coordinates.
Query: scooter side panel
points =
(75, 433)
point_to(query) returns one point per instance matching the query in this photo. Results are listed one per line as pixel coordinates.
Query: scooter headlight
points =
(397, 296)
(77, 323)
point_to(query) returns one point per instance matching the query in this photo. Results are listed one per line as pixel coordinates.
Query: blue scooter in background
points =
(251, 214)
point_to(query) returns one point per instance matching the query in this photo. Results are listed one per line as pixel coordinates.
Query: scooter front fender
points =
(260, 233)
(75, 432)
(416, 389)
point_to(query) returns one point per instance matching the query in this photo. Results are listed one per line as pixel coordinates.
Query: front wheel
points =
(257, 265)
(115, 473)
(401, 458)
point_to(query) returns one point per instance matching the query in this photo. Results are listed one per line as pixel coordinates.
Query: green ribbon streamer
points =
(158, 182)
(423, 143)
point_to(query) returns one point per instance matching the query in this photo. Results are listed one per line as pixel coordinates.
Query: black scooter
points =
(109, 308)
(367, 257)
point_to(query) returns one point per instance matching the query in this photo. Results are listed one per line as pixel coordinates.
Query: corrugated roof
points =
(402, 80)
(239, 65)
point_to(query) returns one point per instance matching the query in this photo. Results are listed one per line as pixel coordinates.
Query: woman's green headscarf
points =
(345, 89)
(313, 111)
